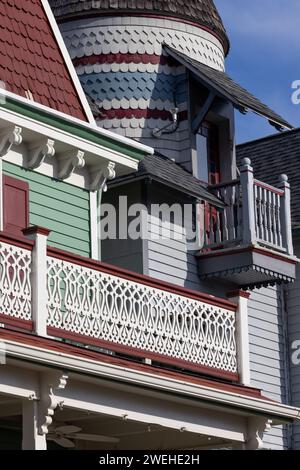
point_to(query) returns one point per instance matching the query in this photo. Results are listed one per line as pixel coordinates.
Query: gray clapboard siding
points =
(267, 353)
(293, 301)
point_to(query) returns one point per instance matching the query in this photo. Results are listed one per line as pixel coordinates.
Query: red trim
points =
(268, 253)
(148, 113)
(124, 59)
(274, 190)
(16, 323)
(145, 280)
(35, 229)
(238, 293)
(16, 241)
(140, 353)
(60, 347)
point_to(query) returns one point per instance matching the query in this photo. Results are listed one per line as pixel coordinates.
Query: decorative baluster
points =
(249, 235)
(258, 210)
(224, 219)
(278, 225)
(269, 215)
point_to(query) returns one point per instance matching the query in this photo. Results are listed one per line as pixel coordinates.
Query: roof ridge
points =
(270, 137)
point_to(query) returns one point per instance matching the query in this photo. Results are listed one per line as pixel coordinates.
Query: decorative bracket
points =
(101, 175)
(48, 401)
(256, 429)
(68, 162)
(37, 155)
(8, 138)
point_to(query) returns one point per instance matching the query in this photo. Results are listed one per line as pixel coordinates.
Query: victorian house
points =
(139, 342)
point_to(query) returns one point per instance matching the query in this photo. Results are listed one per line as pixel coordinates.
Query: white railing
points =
(224, 227)
(267, 207)
(93, 304)
(15, 283)
(254, 213)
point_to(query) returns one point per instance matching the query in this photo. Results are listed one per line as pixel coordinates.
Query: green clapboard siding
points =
(58, 206)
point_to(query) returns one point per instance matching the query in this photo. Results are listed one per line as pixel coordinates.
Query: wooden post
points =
(247, 183)
(1, 196)
(39, 277)
(285, 215)
(242, 334)
(32, 440)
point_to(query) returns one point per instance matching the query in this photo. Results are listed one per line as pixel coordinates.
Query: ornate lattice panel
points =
(98, 305)
(15, 285)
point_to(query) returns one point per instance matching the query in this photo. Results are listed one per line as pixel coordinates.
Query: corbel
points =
(100, 176)
(48, 400)
(256, 430)
(68, 162)
(38, 153)
(9, 137)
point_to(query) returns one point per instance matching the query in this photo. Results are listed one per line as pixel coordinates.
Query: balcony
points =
(52, 293)
(249, 242)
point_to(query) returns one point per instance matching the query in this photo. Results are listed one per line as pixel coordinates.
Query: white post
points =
(39, 277)
(94, 225)
(247, 184)
(31, 440)
(285, 215)
(1, 196)
(242, 335)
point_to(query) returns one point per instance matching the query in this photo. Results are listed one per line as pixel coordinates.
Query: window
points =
(15, 205)
(208, 156)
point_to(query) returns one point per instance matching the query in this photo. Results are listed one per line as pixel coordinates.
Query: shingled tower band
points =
(136, 88)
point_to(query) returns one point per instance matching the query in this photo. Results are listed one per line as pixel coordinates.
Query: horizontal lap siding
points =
(267, 353)
(58, 206)
(294, 335)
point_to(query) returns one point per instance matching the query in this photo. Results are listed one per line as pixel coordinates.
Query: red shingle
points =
(31, 60)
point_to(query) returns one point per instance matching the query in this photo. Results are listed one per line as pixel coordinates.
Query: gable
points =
(32, 63)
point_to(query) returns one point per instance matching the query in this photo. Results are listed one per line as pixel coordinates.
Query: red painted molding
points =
(274, 190)
(141, 354)
(58, 346)
(238, 293)
(16, 241)
(140, 278)
(119, 58)
(16, 323)
(148, 113)
(35, 229)
(254, 249)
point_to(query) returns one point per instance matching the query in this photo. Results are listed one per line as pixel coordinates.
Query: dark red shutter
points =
(15, 205)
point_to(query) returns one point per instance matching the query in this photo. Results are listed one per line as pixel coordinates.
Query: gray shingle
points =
(227, 88)
(165, 171)
(272, 156)
(202, 12)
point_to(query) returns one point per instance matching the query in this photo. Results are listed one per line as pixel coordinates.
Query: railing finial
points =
(246, 164)
(283, 178)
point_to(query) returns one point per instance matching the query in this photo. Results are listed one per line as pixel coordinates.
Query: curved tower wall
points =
(133, 84)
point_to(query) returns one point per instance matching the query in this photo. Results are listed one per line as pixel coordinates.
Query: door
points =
(209, 170)
(15, 205)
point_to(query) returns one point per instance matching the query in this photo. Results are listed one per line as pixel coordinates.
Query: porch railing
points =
(58, 294)
(254, 213)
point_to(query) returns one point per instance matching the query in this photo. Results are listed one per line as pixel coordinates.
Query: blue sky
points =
(264, 57)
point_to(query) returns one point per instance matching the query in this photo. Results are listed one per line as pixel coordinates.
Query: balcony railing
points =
(254, 213)
(91, 303)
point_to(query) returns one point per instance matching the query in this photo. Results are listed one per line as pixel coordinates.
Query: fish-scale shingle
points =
(202, 12)
(31, 60)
